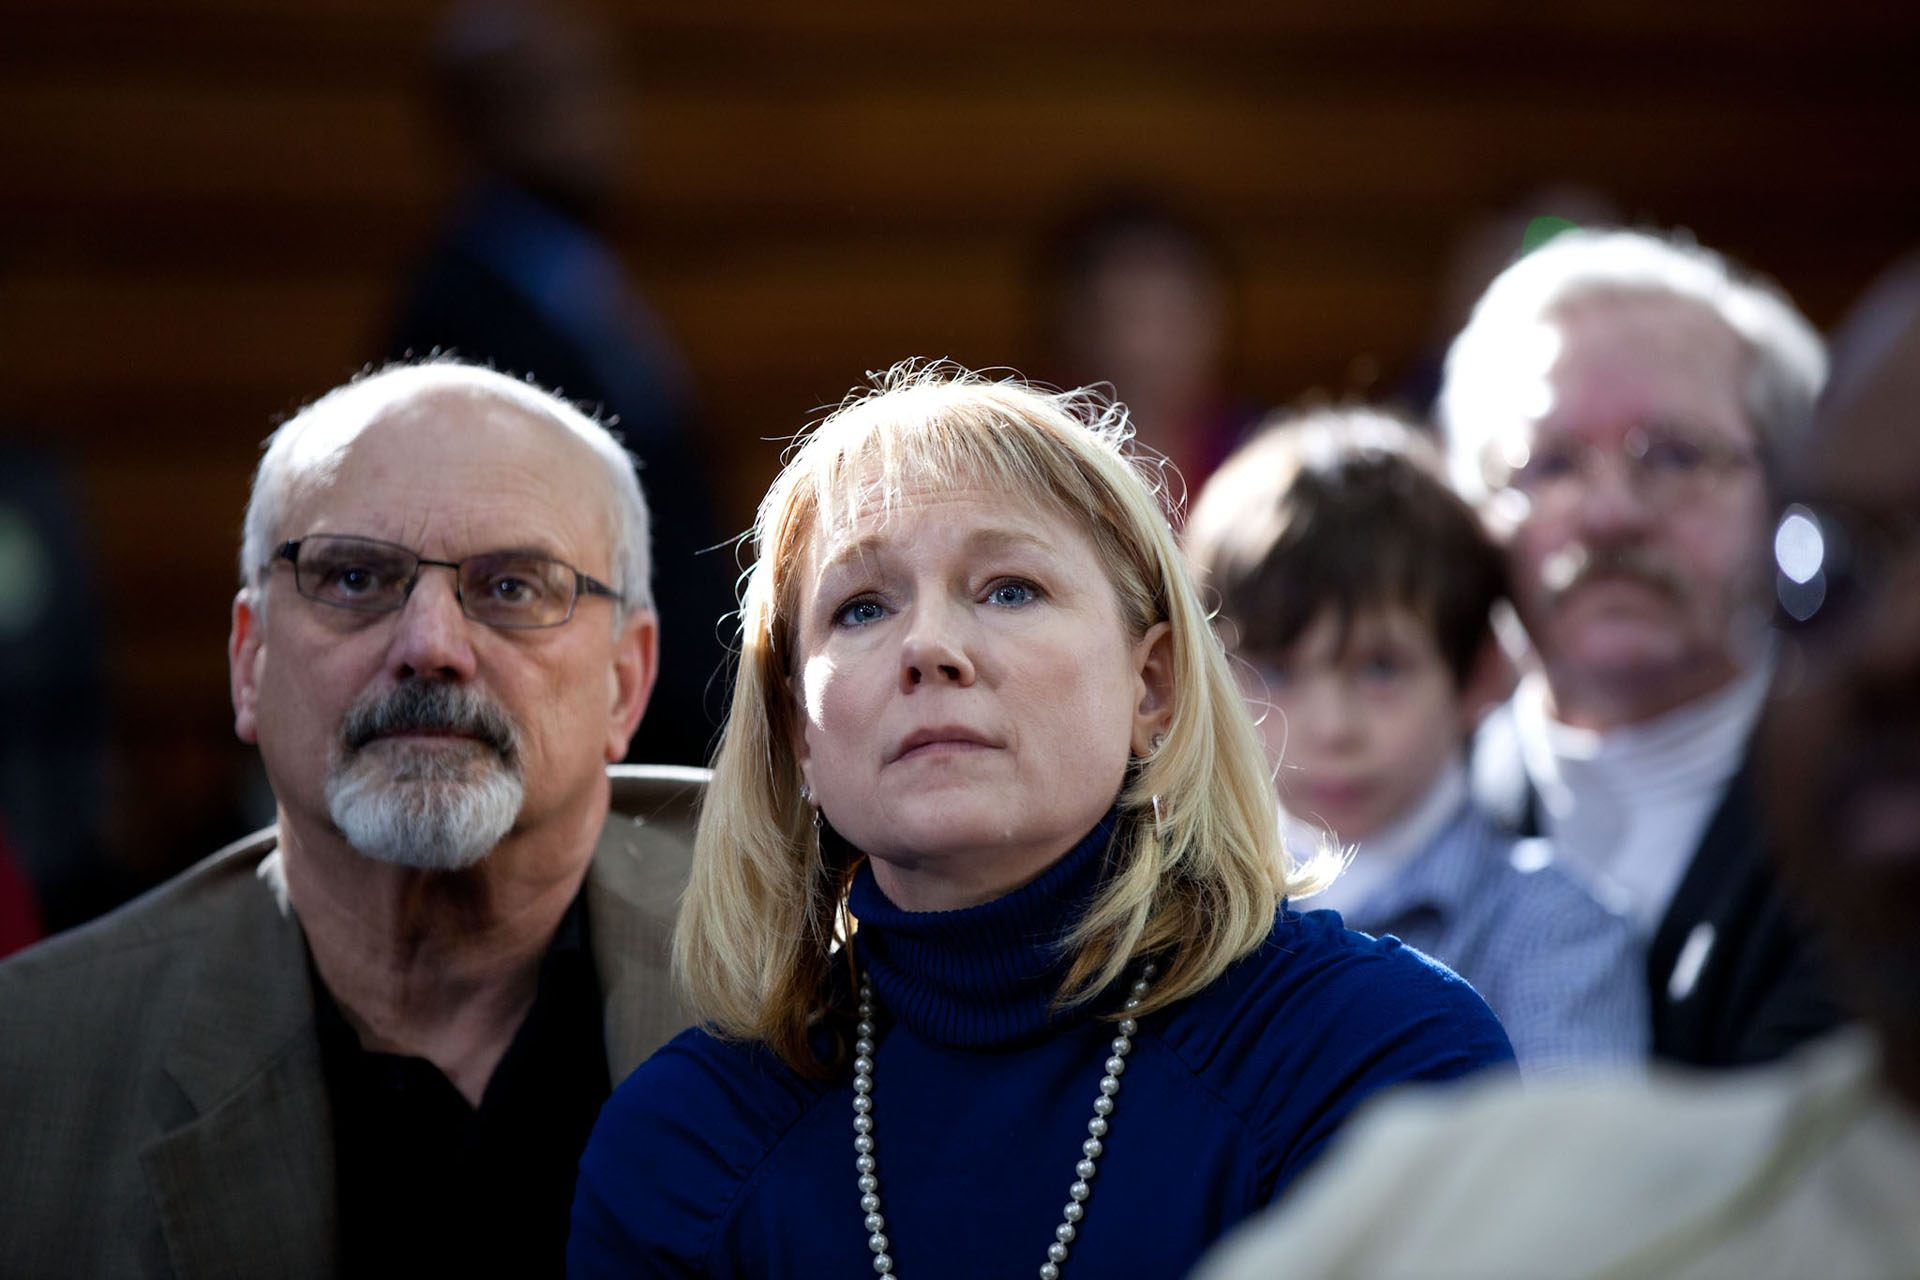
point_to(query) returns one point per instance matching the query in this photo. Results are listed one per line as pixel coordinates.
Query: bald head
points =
(311, 447)
(1876, 358)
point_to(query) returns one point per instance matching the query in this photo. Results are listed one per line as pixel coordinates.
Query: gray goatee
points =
(431, 807)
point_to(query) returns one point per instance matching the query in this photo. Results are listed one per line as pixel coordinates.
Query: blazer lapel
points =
(246, 1187)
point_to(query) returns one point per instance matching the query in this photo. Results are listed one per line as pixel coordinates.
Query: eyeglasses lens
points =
(516, 590)
(351, 573)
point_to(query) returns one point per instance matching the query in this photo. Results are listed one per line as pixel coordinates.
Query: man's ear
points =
(1153, 674)
(1489, 683)
(636, 662)
(246, 650)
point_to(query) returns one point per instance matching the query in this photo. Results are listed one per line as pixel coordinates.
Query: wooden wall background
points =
(208, 204)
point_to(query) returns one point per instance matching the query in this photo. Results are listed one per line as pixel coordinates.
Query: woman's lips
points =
(944, 740)
(941, 747)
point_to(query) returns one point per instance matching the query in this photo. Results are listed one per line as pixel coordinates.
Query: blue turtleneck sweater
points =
(714, 1159)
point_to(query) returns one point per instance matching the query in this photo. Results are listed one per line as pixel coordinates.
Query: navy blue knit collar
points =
(986, 975)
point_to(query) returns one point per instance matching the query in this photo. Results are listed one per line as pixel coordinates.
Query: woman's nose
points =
(934, 650)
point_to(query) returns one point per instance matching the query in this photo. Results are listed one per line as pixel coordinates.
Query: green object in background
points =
(26, 575)
(1540, 230)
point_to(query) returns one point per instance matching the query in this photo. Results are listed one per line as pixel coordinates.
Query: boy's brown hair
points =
(1349, 510)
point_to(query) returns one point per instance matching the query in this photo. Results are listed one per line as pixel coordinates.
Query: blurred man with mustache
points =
(372, 1040)
(1806, 1167)
(1617, 401)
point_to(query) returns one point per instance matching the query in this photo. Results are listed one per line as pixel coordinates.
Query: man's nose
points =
(1612, 493)
(432, 637)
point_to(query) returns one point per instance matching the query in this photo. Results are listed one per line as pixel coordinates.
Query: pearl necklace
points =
(868, 1167)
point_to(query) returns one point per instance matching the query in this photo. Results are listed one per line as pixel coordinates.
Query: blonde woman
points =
(987, 920)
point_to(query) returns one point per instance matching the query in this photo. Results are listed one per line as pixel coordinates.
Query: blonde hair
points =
(1200, 868)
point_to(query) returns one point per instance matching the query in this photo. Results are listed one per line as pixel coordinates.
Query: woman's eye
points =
(858, 613)
(1012, 593)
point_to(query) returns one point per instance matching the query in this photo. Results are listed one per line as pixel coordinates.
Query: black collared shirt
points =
(429, 1184)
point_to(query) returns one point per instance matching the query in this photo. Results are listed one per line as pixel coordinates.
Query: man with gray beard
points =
(1616, 403)
(373, 1038)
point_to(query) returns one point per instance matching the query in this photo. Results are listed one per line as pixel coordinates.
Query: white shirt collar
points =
(1628, 806)
(1381, 856)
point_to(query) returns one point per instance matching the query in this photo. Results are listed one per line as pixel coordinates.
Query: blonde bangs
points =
(934, 427)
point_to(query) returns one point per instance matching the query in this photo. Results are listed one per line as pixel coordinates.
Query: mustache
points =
(1581, 564)
(438, 707)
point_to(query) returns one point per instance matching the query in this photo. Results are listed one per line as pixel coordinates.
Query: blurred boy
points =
(1357, 591)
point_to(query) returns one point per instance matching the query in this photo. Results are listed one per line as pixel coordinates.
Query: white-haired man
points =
(1805, 1167)
(1617, 400)
(374, 1039)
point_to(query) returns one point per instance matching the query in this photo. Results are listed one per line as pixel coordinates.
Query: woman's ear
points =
(1153, 671)
(797, 738)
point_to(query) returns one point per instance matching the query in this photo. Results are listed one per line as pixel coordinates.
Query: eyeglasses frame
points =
(1717, 458)
(583, 584)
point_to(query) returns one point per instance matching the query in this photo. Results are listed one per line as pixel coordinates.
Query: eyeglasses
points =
(519, 590)
(1663, 467)
(1830, 560)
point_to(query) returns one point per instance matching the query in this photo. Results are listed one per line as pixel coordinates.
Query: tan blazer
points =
(162, 1108)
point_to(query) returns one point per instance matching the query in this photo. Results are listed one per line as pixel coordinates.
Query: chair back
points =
(666, 796)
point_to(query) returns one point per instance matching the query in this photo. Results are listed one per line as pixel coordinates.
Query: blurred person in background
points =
(1484, 244)
(1356, 592)
(524, 277)
(372, 1039)
(1139, 296)
(989, 891)
(53, 699)
(1806, 1167)
(1617, 402)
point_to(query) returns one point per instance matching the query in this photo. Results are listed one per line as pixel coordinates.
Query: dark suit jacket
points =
(1733, 975)
(162, 1106)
